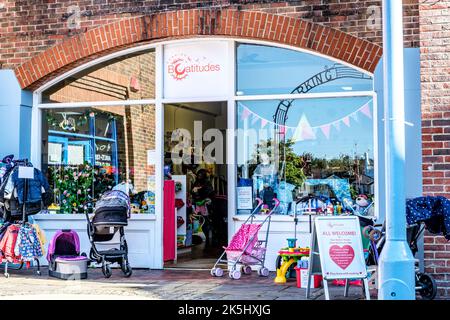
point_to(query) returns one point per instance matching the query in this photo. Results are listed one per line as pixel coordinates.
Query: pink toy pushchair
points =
(245, 249)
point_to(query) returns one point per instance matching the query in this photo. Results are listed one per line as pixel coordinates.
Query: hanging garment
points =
(8, 243)
(433, 211)
(29, 245)
(41, 236)
(3, 229)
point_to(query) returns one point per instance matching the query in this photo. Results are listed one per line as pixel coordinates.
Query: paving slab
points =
(158, 284)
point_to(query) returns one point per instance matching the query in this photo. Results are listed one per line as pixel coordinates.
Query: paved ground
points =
(157, 284)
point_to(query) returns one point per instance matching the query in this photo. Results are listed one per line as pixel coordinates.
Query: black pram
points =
(111, 214)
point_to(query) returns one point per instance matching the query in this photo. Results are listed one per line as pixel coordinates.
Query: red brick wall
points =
(435, 83)
(29, 27)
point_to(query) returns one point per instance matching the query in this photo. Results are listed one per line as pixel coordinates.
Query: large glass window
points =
(296, 148)
(129, 77)
(272, 70)
(87, 151)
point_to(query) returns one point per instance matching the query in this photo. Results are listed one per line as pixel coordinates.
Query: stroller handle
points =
(260, 202)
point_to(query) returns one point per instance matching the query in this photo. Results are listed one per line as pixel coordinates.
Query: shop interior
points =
(195, 160)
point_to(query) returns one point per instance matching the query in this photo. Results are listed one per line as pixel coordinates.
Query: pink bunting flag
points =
(282, 130)
(346, 121)
(245, 114)
(326, 130)
(366, 111)
(263, 123)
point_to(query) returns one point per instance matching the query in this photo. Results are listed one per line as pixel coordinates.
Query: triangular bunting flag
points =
(346, 121)
(326, 130)
(263, 123)
(354, 116)
(304, 131)
(282, 130)
(245, 113)
(366, 111)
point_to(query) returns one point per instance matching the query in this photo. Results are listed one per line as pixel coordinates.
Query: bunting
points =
(304, 130)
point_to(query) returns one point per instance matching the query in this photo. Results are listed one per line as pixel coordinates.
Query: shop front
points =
(124, 120)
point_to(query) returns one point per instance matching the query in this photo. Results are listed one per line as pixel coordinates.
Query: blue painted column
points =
(396, 268)
(15, 117)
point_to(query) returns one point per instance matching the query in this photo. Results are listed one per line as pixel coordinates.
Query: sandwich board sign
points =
(336, 252)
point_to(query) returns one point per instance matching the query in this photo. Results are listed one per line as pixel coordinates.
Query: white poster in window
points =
(197, 69)
(244, 198)
(75, 154)
(54, 153)
(151, 157)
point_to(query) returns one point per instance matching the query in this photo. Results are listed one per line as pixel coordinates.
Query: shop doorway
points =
(195, 159)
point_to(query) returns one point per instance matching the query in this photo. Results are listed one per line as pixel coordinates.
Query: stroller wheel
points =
(246, 269)
(217, 272)
(375, 235)
(106, 269)
(263, 272)
(235, 274)
(429, 287)
(126, 269)
(366, 231)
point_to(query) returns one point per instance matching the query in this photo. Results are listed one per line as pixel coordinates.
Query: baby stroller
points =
(425, 284)
(245, 248)
(111, 214)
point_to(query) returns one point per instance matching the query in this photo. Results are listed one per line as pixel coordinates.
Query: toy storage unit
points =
(69, 268)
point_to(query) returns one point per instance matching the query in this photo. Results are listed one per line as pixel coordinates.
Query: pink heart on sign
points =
(342, 256)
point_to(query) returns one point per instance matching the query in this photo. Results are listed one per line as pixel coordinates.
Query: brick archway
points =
(191, 23)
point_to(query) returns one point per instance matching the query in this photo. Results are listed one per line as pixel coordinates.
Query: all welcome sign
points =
(336, 252)
(196, 69)
(340, 247)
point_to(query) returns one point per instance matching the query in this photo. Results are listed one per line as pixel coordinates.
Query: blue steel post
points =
(396, 268)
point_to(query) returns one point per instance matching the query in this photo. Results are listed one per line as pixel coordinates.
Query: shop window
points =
(322, 147)
(271, 70)
(129, 77)
(87, 151)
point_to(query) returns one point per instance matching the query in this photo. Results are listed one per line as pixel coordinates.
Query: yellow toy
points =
(287, 257)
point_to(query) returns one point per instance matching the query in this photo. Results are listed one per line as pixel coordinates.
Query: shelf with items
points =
(180, 205)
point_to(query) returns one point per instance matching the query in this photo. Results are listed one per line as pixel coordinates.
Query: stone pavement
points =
(157, 284)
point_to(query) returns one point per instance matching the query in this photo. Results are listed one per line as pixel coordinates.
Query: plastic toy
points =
(288, 258)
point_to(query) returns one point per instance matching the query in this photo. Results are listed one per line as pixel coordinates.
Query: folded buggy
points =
(111, 215)
(245, 249)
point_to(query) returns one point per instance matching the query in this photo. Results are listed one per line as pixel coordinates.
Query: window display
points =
(87, 151)
(325, 148)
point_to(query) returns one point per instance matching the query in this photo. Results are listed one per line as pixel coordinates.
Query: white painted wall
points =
(142, 245)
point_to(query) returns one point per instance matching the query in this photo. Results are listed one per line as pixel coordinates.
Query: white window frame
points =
(159, 101)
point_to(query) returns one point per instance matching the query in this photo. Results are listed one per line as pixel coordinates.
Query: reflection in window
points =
(325, 148)
(130, 77)
(271, 70)
(87, 151)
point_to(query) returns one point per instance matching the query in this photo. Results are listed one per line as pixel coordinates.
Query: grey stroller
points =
(111, 215)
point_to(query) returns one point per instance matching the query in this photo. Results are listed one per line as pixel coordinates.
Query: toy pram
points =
(245, 248)
(111, 214)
